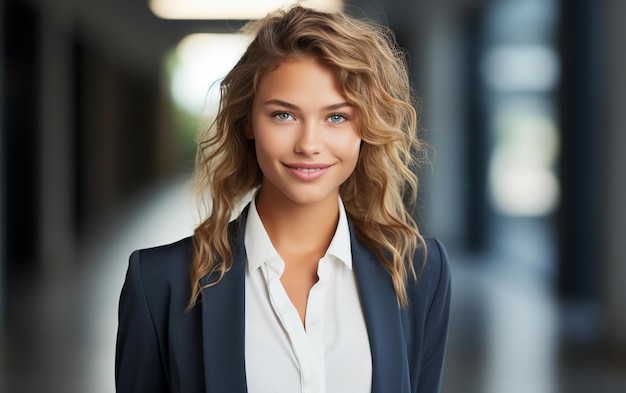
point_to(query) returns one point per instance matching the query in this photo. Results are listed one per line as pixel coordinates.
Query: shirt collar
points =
(340, 246)
(259, 248)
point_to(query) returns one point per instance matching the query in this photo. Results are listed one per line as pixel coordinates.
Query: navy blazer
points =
(162, 348)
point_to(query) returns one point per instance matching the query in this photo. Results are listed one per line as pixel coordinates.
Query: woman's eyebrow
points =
(296, 107)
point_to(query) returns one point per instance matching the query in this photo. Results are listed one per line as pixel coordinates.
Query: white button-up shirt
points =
(333, 354)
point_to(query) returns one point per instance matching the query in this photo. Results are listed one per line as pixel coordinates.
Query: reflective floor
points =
(505, 332)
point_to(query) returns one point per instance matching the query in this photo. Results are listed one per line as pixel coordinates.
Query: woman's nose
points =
(309, 139)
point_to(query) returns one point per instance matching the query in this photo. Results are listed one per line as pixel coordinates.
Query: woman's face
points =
(305, 132)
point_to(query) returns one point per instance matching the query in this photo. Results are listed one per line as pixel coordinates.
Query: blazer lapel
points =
(382, 317)
(223, 324)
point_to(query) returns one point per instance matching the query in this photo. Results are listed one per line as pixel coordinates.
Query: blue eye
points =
(283, 116)
(337, 118)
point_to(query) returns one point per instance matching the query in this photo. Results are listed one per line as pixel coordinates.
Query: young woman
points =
(323, 283)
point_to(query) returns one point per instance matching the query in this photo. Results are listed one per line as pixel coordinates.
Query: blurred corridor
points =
(523, 100)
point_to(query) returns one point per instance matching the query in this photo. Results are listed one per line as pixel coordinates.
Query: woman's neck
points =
(294, 227)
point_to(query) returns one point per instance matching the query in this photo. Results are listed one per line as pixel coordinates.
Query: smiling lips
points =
(307, 172)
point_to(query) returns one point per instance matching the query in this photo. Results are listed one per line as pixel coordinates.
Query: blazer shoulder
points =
(170, 261)
(436, 261)
(433, 271)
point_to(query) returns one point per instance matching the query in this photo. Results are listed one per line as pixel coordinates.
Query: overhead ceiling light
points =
(201, 61)
(231, 9)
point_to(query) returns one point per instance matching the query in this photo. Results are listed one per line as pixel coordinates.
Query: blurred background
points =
(524, 105)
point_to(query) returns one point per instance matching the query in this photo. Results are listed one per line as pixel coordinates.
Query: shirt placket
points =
(315, 324)
(306, 355)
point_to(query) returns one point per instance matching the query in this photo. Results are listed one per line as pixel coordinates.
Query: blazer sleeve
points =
(138, 364)
(437, 319)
